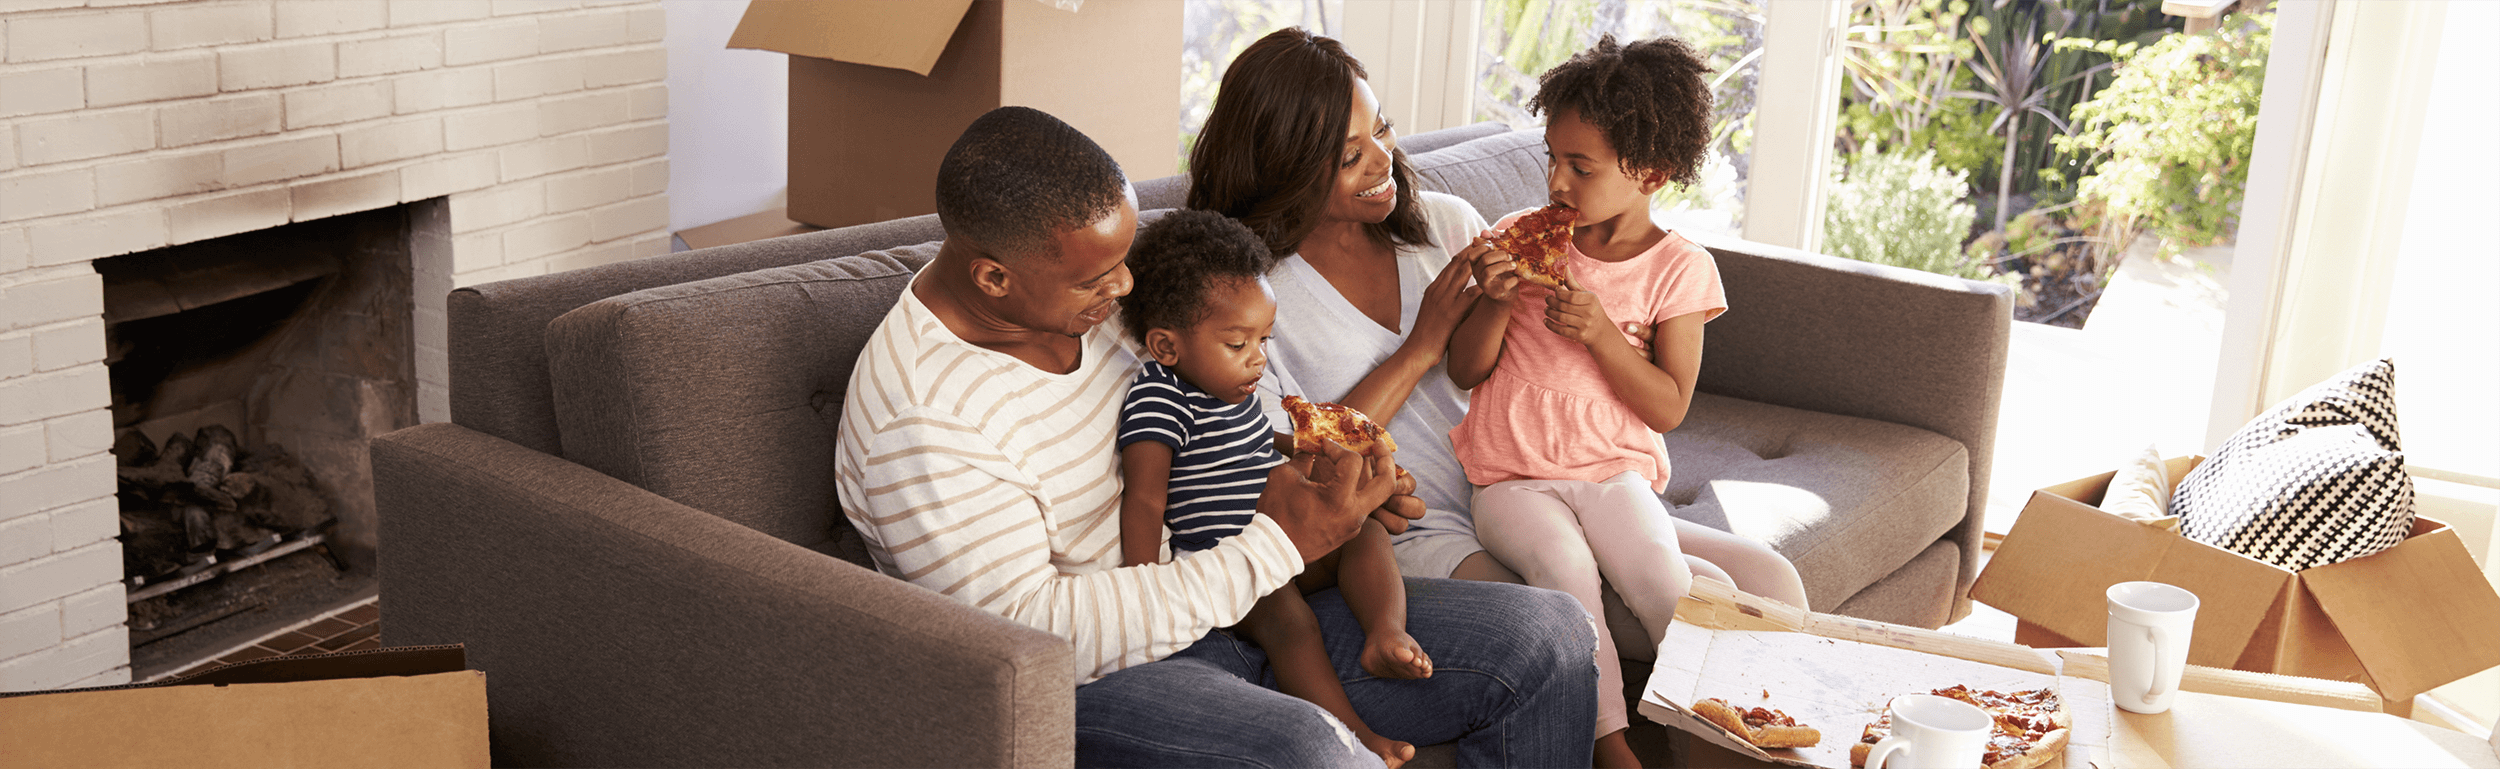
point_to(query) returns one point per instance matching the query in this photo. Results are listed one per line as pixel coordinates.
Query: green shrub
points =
(1900, 209)
(2173, 132)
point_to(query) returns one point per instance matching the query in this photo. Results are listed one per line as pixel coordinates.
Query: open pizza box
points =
(1837, 673)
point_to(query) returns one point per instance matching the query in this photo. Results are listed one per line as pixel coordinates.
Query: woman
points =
(1372, 281)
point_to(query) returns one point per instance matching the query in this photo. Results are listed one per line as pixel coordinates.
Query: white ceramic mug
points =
(1931, 732)
(2149, 627)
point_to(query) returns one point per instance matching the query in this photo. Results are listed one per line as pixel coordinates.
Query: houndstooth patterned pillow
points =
(2316, 480)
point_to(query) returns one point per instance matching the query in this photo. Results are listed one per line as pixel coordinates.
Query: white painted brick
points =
(84, 524)
(19, 6)
(152, 78)
(30, 629)
(335, 104)
(646, 65)
(445, 89)
(545, 156)
(285, 157)
(366, 145)
(514, 7)
(42, 91)
(603, 28)
(62, 346)
(277, 65)
(87, 134)
(651, 177)
(593, 256)
(346, 194)
(488, 209)
(194, 25)
(36, 195)
(112, 233)
(515, 271)
(444, 176)
(21, 448)
(475, 43)
(301, 18)
(160, 176)
(632, 217)
(45, 38)
(72, 295)
(596, 187)
(95, 609)
(45, 488)
(125, 3)
(114, 677)
(650, 24)
(473, 252)
(537, 77)
(14, 256)
(406, 53)
(98, 656)
(628, 143)
(216, 217)
(567, 114)
(82, 435)
(650, 102)
(8, 146)
(407, 13)
(208, 120)
(550, 235)
(489, 127)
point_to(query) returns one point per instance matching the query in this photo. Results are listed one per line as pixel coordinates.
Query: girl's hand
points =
(1574, 313)
(1445, 304)
(1495, 272)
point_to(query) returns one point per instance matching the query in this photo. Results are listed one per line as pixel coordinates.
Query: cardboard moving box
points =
(879, 90)
(407, 707)
(2401, 621)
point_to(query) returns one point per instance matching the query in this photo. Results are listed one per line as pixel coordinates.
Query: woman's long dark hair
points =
(1269, 152)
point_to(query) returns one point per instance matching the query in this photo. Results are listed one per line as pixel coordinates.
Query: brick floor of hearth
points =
(355, 628)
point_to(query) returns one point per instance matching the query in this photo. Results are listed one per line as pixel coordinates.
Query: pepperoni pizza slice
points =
(1314, 423)
(1539, 242)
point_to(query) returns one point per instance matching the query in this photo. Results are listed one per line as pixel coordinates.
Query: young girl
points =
(1562, 437)
(1195, 450)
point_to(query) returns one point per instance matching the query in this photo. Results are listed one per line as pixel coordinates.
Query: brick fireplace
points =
(133, 126)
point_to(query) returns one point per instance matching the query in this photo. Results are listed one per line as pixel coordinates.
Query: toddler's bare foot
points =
(1395, 655)
(1392, 752)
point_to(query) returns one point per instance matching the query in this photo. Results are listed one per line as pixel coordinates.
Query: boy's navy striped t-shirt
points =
(1221, 453)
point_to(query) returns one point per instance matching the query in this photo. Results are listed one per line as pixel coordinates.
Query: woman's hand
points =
(1445, 304)
(1574, 313)
(1496, 274)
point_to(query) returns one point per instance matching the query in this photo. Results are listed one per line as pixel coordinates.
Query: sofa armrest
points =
(1840, 336)
(617, 627)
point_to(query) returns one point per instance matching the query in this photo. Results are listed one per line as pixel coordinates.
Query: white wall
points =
(729, 125)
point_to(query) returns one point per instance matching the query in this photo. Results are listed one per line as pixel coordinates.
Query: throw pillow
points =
(2141, 489)
(2318, 479)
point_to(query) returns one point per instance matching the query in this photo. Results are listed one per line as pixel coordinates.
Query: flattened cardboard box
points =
(410, 707)
(880, 90)
(2401, 622)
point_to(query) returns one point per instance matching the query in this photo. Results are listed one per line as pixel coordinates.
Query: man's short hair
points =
(1017, 177)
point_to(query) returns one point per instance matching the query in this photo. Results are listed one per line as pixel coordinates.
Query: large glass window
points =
(1215, 31)
(1521, 39)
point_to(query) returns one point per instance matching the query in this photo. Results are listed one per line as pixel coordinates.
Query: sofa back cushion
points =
(1497, 174)
(724, 394)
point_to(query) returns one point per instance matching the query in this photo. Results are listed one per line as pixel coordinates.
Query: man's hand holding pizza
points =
(1321, 497)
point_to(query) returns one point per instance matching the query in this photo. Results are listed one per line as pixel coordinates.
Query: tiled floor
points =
(354, 628)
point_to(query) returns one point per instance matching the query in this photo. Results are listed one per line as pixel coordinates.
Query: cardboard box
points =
(751, 227)
(2401, 621)
(879, 90)
(407, 707)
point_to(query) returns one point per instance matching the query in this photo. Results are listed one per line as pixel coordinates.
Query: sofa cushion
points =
(1498, 174)
(1778, 475)
(724, 394)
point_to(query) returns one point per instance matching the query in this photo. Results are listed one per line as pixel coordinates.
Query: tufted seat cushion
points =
(724, 394)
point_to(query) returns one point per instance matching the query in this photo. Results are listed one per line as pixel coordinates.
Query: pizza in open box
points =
(2032, 726)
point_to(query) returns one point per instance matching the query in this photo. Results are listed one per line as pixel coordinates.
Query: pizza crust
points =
(1315, 424)
(1773, 736)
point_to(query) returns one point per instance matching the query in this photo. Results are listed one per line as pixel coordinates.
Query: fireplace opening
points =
(247, 374)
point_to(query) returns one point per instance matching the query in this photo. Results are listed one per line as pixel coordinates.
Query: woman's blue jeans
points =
(1514, 683)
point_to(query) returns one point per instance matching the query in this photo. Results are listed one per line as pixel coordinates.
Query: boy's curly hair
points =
(1177, 258)
(1650, 99)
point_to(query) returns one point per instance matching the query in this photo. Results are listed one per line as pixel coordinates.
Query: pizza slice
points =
(1539, 242)
(1317, 422)
(2031, 727)
(1762, 727)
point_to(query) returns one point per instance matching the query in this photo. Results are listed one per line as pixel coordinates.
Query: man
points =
(977, 458)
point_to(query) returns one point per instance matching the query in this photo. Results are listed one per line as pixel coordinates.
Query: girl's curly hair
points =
(1177, 259)
(1650, 99)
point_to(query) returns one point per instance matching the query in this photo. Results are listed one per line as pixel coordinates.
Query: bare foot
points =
(1395, 655)
(1392, 752)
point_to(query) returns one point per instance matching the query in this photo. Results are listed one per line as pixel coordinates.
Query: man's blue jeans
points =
(1514, 683)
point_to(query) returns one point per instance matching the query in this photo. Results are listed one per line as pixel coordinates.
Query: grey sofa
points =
(631, 519)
